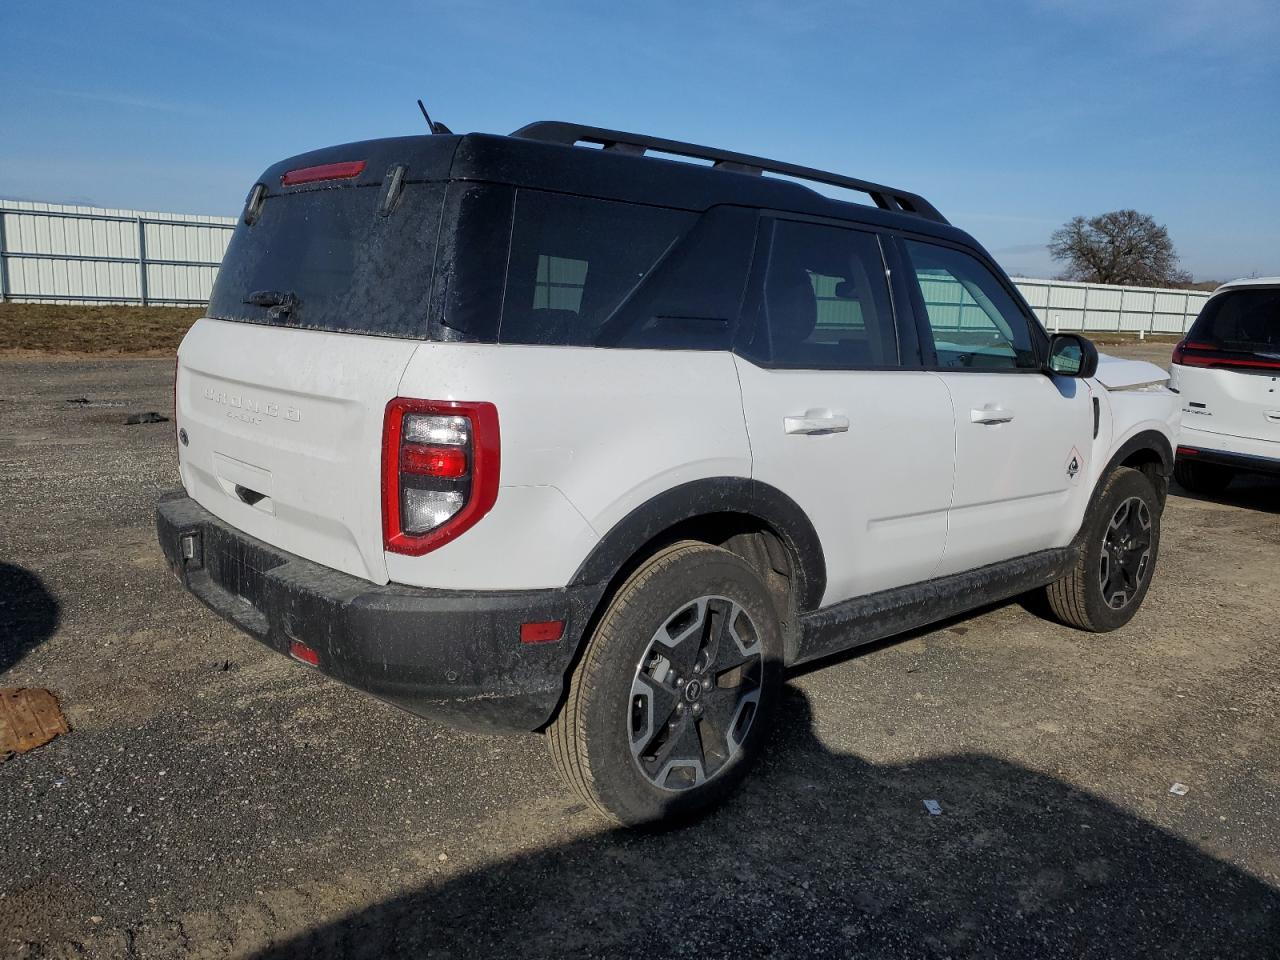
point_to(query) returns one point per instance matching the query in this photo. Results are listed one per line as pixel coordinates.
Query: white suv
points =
(540, 433)
(1227, 371)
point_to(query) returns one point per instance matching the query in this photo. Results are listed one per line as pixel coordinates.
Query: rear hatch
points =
(1230, 365)
(318, 307)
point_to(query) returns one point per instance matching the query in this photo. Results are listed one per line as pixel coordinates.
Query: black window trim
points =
(1039, 337)
(754, 293)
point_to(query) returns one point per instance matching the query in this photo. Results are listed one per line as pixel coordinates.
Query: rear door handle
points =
(990, 414)
(816, 421)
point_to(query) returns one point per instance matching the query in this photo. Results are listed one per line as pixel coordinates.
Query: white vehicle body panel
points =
(1016, 436)
(1116, 373)
(876, 493)
(1231, 405)
(587, 435)
(294, 415)
(913, 489)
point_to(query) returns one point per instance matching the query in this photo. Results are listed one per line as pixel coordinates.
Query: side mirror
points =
(1071, 355)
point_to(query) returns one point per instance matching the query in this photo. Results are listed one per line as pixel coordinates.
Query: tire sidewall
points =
(1117, 488)
(636, 613)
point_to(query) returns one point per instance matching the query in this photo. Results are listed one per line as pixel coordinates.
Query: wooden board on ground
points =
(29, 718)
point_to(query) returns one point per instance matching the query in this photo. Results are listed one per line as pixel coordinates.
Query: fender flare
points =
(705, 498)
(1152, 440)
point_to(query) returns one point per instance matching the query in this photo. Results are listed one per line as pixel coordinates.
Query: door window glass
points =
(826, 299)
(975, 322)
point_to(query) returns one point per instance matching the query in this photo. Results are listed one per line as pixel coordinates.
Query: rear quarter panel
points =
(587, 435)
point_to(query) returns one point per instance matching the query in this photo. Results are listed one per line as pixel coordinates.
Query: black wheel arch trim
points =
(707, 498)
(1152, 440)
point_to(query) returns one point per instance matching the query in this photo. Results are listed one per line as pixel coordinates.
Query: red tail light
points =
(325, 171)
(440, 461)
(1191, 354)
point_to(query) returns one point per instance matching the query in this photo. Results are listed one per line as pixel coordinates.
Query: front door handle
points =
(990, 414)
(816, 422)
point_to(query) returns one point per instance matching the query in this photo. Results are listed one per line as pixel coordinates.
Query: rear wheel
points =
(1121, 540)
(1205, 478)
(667, 708)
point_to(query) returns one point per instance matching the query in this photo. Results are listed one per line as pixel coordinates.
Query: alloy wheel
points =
(695, 693)
(1126, 553)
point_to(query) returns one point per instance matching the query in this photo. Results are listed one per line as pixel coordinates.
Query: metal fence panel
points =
(1096, 307)
(59, 253)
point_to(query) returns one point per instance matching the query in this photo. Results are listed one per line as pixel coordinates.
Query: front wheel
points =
(667, 707)
(1120, 543)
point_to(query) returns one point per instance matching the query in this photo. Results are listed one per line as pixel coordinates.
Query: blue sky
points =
(1010, 116)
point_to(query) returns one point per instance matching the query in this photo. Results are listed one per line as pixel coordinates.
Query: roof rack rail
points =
(886, 198)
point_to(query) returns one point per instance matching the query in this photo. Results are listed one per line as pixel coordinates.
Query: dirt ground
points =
(215, 800)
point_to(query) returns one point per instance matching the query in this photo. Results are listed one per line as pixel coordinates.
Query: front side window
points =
(975, 322)
(825, 303)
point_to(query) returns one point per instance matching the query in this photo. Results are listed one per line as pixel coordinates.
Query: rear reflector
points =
(545, 631)
(325, 171)
(300, 651)
(1187, 452)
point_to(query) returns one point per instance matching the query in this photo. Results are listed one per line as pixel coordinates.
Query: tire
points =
(672, 617)
(1209, 479)
(1120, 543)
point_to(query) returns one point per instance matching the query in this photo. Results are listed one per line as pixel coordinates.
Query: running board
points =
(860, 620)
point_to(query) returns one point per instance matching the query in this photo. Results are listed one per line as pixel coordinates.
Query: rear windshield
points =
(329, 259)
(1243, 320)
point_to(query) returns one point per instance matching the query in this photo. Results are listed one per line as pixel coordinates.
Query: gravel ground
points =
(214, 799)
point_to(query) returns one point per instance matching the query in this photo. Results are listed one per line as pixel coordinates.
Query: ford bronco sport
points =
(547, 433)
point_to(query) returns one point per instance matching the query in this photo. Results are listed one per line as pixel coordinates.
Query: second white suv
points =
(540, 433)
(1227, 371)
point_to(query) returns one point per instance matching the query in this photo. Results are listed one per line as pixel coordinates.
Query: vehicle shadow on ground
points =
(825, 854)
(1250, 491)
(29, 614)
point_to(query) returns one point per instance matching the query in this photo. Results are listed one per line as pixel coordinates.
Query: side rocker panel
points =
(875, 616)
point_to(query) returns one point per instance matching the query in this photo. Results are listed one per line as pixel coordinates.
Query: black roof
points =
(545, 156)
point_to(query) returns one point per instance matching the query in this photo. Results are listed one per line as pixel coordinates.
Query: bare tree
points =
(1121, 247)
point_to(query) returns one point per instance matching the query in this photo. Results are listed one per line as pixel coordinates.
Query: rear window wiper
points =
(281, 303)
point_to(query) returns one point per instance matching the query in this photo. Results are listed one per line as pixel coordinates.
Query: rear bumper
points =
(1239, 453)
(450, 654)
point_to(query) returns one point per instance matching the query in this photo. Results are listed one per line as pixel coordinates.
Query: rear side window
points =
(825, 301)
(1241, 320)
(328, 259)
(574, 261)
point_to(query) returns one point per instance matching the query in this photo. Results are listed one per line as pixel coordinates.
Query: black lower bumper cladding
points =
(454, 655)
(1237, 461)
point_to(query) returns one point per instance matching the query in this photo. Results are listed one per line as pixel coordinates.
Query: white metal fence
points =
(1063, 305)
(67, 254)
